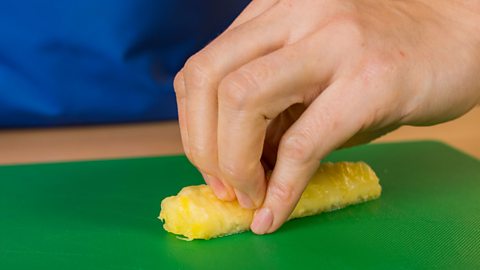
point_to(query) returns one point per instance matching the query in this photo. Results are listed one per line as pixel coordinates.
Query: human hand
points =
(291, 80)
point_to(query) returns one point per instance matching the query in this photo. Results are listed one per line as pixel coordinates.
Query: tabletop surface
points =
(154, 139)
(103, 215)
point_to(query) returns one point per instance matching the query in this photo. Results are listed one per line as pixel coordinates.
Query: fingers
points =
(330, 120)
(202, 74)
(247, 98)
(179, 85)
(256, 92)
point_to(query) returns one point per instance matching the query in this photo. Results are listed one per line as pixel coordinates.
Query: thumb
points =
(334, 117)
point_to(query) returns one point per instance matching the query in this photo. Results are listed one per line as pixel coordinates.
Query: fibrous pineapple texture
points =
(196, 213)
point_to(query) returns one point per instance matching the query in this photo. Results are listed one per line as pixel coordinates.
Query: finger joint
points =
(297, 146)
(238, 90)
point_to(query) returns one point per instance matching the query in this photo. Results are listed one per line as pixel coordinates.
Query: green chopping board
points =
(103, 215)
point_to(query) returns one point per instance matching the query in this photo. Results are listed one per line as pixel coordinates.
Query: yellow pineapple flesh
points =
(196, 213)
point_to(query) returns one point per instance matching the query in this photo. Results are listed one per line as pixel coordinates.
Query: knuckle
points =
(179, 84)
(238, 90)
(231, 171)
(200, 156)
(297, 146)
(348, 30)
(347, 22)
(234, 172)
(377, 64)
(198, 69)
(282, 192)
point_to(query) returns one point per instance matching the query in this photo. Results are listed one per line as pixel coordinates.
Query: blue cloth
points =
(77, 62)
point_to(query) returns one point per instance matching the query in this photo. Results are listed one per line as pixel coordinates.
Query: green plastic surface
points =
(103, 215)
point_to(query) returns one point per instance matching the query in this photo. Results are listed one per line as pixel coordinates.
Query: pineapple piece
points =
(196, 213)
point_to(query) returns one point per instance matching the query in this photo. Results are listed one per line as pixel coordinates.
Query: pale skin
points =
(290, 81)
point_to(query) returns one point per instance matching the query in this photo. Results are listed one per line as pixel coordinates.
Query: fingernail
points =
(244, 199)
(262, 221)
(216, 185)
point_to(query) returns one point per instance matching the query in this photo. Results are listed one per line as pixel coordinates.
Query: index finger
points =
(248, 97)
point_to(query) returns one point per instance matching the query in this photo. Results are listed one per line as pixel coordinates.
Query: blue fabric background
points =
(77, 62)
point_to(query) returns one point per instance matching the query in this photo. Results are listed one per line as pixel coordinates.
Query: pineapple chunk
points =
(197, 214)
